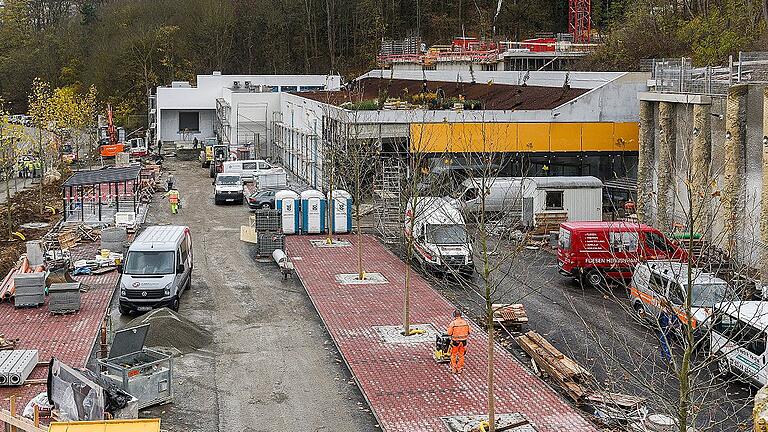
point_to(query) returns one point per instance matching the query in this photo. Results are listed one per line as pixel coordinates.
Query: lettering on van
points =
(611, 260)
(592, 242)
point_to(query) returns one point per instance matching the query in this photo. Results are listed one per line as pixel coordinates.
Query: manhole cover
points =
(512, 422)
(323, 243)
(394, 334)
(353, 279)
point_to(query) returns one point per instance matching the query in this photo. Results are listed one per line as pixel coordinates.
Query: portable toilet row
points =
(306, 212)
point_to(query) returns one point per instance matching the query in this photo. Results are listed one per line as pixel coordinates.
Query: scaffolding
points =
(388, 208)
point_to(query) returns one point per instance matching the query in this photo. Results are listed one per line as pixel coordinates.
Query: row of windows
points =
(743, 334)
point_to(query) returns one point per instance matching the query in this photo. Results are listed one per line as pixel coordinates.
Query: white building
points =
(236, 107)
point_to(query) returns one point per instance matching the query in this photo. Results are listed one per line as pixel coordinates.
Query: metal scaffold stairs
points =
(387, 209)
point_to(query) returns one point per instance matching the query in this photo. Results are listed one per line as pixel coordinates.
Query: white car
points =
(738, 340)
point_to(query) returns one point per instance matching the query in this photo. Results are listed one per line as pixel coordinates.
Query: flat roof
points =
(105, 175)
(492, 96)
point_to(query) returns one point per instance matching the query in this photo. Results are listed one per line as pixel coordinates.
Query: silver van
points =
(157, 269)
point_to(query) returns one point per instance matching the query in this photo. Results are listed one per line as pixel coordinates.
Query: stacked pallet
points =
(574, 379)
(548, 221)
(8, 284)
(509, 314)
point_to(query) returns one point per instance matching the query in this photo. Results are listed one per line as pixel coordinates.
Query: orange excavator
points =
(108, 144)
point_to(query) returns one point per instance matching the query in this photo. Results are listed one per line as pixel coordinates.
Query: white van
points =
(248, 169)
(738, 340)
(157, 269)
(656, 283)
(440, 235)
(228, 187)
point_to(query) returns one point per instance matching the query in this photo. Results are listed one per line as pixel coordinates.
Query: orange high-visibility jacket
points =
(458, 329)
(173, 197)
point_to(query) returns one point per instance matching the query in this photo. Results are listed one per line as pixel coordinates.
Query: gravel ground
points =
(272, 365)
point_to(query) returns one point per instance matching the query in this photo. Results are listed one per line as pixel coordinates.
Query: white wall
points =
(582, 204)
(169, 126)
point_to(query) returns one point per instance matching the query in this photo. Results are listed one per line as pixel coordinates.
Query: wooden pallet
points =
(509, 314)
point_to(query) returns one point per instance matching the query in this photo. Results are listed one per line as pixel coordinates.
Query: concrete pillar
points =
(645, 162)
(764, 200)
(733, 169)
(701, 175)
(666, 170)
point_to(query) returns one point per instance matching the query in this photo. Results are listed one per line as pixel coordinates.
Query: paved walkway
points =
(20, 185)
(406, 389)
(70, 338)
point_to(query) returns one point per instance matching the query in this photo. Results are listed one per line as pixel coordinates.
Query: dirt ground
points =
(272, 365)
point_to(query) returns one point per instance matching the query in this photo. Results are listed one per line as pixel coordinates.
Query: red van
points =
(594, 251)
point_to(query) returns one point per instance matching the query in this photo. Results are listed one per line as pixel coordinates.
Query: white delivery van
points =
(228, 187)
(439, 235)
(248, 169)
(662, 285)
(738, 340)
(157, 269)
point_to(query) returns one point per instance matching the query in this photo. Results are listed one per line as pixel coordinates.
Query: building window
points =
(189, 121)
(554, 200)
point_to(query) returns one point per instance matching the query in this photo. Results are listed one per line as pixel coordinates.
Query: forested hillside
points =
(125, 47)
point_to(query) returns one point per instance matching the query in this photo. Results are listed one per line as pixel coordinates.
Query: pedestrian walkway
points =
(20, 184)
(406, 389)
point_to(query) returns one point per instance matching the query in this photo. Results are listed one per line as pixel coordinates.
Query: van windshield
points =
(149, 263)
(446, 234)
(707, 295)
(227, 180)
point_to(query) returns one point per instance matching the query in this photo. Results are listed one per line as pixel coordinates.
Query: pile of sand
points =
(169, 330)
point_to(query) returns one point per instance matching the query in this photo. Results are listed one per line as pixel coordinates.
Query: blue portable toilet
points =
(287, 201)
(312, 212)
(341, 211)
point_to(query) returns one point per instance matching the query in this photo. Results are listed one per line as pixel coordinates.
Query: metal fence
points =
(677, 75)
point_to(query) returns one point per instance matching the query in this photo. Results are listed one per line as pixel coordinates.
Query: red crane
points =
(580, 20)
(111, 147)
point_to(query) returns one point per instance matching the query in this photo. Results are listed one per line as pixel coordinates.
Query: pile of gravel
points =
(171, 331)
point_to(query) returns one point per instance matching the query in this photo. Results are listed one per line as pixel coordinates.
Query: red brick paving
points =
(70, 338)
(406, 389)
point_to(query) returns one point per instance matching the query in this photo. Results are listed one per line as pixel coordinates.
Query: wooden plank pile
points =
(574, 379)
(69, 236)
(548, 221)
(7, 344)
(509, 314)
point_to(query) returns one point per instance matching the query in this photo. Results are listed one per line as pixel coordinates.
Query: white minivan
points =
(228, 187)
(738, 340)
(440, 237)
(248, 169)
(157, 269)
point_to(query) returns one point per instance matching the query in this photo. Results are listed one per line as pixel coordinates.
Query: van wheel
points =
(723, 367)
(594, 279)
(175, 304)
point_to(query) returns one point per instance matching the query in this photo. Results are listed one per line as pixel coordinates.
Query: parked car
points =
(157, 269)
(228, 188)
(593, 252)
(658, 286)
(263, 198)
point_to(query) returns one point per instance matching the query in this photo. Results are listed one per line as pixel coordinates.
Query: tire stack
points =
(269, 236)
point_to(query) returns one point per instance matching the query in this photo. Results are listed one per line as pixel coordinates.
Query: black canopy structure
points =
(96, 195)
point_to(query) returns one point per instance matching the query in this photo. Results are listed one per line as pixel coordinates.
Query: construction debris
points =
(7, 344)
(574, 379)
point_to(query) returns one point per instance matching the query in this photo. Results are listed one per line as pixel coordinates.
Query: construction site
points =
(472, 236)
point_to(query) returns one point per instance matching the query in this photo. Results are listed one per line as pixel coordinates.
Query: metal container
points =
(266, 243)
(64, 297)
(267, 220)
(30, 289)
(16, 365)
(144, 373)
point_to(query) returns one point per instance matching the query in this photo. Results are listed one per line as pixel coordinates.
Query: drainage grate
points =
(394, 334)
(352, 279)
(511, 422)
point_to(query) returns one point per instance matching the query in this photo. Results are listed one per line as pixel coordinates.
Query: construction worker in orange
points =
(173, 200)
(458, 330)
